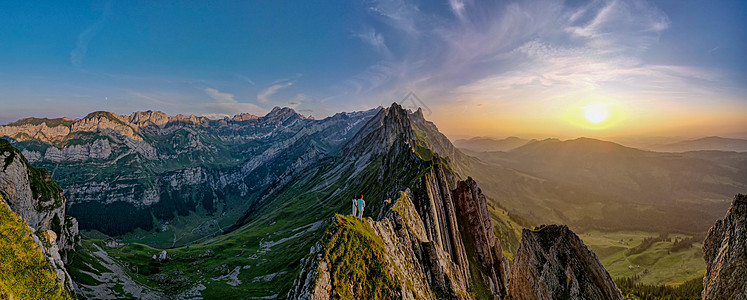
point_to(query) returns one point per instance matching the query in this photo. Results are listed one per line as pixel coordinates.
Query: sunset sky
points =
(488, 68)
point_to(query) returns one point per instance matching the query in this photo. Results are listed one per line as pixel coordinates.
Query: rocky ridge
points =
(435, 241)
(725, 254)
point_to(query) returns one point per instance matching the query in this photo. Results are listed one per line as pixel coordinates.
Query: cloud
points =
(457, 6)
(298, 75)
(375, 40)
(264, 95)
(79, 53)
(246, 79)
(527, 50)
(226, 103)
(219, 96)
(399, 14)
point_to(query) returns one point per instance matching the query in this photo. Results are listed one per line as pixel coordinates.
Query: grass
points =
(658, 265)
(24, 271)
(357, 262)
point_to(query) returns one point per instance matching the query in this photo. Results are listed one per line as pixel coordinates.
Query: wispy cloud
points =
(226, 103)
(375, 40)
(264, 95)
(219, 96)
(457, 6)
(79, 53)
(246, 79)
(286, 79)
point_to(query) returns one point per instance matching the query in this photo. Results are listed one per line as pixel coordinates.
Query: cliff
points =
(32, 195)
(553, 263)
(725, 254)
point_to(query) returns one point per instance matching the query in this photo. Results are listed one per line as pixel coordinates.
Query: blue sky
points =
(482, 67)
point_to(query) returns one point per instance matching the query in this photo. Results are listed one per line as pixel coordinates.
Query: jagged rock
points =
(553, 263)
(105, 120)
(145, 118)
(725, 254)
(473, 210)
(244, 117)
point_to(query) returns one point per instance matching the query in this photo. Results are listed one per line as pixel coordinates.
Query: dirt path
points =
(117, 277)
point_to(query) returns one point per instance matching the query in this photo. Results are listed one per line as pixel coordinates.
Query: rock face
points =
(725, 254)
(473, 211)
(32, 195)
(553, 263)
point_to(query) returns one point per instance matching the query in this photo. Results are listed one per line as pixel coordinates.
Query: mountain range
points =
(188, 207)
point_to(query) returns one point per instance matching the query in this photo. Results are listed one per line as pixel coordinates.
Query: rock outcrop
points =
(32, 195)
(553, 263)
(725, 254)
(473, 212)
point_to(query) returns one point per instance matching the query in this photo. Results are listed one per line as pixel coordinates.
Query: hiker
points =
(361, 206)
(355, 205)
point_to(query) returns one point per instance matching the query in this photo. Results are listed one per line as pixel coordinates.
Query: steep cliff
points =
(553, 263)
(31, 194)
(725, 253)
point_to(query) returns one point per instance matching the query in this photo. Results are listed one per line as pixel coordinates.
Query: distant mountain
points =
(706, 143)
(120, 171)
(485, 144)
(590, 183)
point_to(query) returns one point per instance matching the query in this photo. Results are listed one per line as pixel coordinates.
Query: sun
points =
(596, 113)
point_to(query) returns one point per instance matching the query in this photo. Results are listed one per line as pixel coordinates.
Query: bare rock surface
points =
(725, 254)
(553, 263)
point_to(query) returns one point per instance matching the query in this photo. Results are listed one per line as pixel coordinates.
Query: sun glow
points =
(599, 113)
(596, 113)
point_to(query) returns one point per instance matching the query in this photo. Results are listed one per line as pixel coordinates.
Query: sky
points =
(478, 68)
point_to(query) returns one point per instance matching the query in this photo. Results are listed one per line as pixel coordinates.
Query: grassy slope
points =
(24, 272)
(657, 265)
(356, 258)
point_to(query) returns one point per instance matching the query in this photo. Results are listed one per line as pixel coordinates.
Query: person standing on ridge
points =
(361, 206)
(355, 205)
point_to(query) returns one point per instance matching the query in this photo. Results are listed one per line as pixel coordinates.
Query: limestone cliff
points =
(725, 254)
(31, 194)
(553, 263)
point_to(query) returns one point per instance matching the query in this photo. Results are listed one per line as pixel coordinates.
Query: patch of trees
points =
(183, 201)
(647, 243)
(682, 244)
(630, 286)
(94, 215)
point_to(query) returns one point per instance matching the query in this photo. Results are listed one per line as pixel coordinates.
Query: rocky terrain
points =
(725, 253)
(553, 263)
(32, 195)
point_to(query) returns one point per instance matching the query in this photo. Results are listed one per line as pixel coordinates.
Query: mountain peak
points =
(283, 113)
